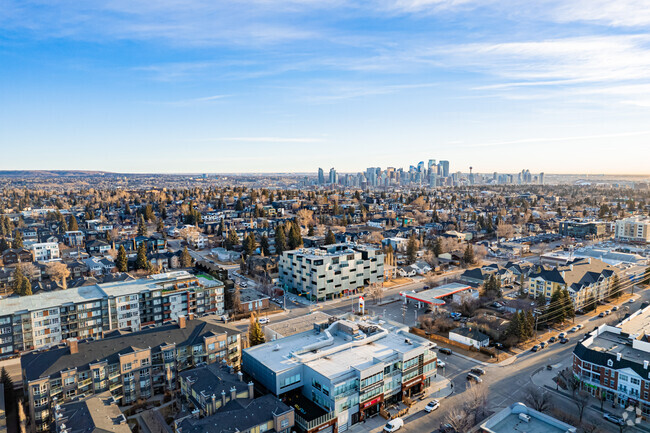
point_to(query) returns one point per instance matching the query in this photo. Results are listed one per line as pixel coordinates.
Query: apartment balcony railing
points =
(308, 425)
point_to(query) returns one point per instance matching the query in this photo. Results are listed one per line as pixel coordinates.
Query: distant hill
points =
(53, 173)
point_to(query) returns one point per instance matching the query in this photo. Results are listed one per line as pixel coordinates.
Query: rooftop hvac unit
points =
(524, 417)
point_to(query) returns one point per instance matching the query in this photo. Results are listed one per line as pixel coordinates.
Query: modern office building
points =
(131, 366)
(347, 370)
(614, 361)
(331, 271)
(635, 229)
(582, 229)
(45, 319)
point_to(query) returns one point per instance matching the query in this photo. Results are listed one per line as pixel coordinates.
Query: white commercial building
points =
(332, 270)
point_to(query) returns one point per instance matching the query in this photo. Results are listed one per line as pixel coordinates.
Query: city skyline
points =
(255, 86)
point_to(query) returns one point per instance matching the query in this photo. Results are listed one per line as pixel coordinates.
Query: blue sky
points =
(272, 86)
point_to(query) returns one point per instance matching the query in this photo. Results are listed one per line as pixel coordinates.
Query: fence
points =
(447, 341)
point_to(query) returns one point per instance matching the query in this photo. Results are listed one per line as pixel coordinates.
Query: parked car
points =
(615, 308)
(542, 345)
(602, 314)
(561, 335)
(263, 320)
(445, 351)
(474, 378)
(574, 329)
(394, 425)
(440, 364)
(608, 312)
(564, 341)
(432, 405)
(613, 418)
(552, 340)
(535, 348)
(478, 371)
(446, 428)
(580, 326)
(631, 300)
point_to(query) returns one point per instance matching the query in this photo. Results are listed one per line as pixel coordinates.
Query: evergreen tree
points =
(264, 246)
(4, 245)
(18, 281)
(160, 227)
(186, 258)
(437, 247)
(567, 306)
(411, 250)
(295, 239)
(514, 329)
(250, 244)
(530, 324)
(10, 397)
(280, 240)
(121, 262)
(72, 224)
(18, 240)
(330, 238)
(310, 230)
(255, 334)
(556, 309)
(141, 261)
(221, 228)
(239, 206)
(127, 209)
(468, 255)
(232, 240)
(163, 212)
(615, 290)
(523, 326)
(142, 226)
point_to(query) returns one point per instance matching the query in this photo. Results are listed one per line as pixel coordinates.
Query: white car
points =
(440, 364)
(263, 320)
(394, 425)
(631, 300)
(432, 405)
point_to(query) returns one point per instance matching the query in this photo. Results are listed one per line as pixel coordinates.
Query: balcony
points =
(308, 425)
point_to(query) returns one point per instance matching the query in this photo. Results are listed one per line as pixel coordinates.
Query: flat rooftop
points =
(433, 295)
(508, 421)
(298, 324)
(612, 343)
(343, 351)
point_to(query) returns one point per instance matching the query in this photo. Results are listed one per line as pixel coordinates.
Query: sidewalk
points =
(439, 389)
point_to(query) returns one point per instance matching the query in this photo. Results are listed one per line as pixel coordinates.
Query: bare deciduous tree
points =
(538, 399)
(581, 399)
(506, 231)
(58, 271)
(376, 291)
(305, 217)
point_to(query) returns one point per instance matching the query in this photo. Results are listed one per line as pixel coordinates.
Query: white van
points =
(394, 425)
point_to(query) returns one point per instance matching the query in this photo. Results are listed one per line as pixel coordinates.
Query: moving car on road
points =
(564, 341)
(445, 351)
(394, 425)
(613, 418)
(432, 405)
(440, 364)
(264, 320)
(478, 371)
(474, 378)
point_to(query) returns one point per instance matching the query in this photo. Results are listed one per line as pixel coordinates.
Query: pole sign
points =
(362, 305)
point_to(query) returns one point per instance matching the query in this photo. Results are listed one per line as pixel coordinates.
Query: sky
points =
(209, 86)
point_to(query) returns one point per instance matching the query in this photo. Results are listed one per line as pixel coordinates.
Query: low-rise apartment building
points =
(95, 414)
(349, 369)
(132, 366)
(634, 229)
(586, 280)
(331, 271)
(45, 251)
(614, 361)
(45, 319)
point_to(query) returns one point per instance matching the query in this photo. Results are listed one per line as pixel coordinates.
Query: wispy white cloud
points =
(265, 139)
